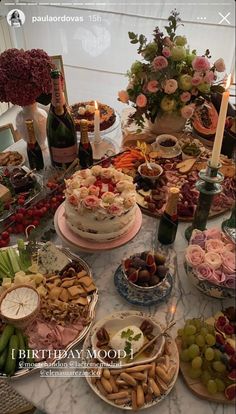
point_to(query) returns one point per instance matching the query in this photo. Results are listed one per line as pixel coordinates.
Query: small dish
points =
(151, 174)
(168, 145)
(124, 321)
(190, 150)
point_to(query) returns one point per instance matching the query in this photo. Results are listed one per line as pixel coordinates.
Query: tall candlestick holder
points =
(208, 186)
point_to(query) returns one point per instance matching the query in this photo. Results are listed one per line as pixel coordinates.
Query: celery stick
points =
(5, 260)
(24, 256)
(14, 259)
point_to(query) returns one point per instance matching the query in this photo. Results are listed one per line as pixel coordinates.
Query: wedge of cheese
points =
(5, 194)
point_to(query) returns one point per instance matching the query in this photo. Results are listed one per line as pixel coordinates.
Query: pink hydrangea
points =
(141, 100)
(152, 86)
(170, 86)
(187, 111)
(201, 64)
(185, 96)
(166, 52)
(24, 76)
(159, 63)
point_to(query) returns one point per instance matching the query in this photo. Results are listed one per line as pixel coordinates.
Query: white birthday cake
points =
(100, 203)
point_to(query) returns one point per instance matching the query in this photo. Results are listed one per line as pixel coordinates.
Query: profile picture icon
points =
(16, 18)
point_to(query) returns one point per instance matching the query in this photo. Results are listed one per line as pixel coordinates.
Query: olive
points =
(144, 276)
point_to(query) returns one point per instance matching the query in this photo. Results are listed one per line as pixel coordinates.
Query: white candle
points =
(215, 158)
(97, 137)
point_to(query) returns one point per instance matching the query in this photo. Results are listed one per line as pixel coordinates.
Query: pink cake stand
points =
(75, 241)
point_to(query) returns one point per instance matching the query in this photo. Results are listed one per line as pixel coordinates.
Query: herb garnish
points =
(129, 336)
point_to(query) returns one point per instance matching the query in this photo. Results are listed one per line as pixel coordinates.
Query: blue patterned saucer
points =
(157, 295)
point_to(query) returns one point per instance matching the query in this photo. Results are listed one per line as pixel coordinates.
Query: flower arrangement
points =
(171, 77)
(25, 76)
(212, 257)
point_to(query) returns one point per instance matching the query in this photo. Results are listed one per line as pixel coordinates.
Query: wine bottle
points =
(34, 151)
(61, 133)
(169, 220)
(85, 148)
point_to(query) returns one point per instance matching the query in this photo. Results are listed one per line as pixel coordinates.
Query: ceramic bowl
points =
(207, 287)
(156, 167)
(121, 320)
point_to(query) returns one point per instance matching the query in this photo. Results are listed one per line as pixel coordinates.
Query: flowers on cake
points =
(212, 257)
(108, 197)
(91, 201)
(115, 209)
(93, 190)
(170, 77)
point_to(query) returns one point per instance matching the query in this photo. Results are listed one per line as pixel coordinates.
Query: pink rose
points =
(213, 233)
(197, 79)
(141, 100)
(200, 63)
(229, 261)
(123, 96)
(229, 247)
(214, 245)
(198, 237)
(152, 86)
(213, 260)
(167, 42)
(170, 86)
(159, 63)
(209, 77)
(230, 281)
(91, 201)
(204, 272)
(93, 190)
(218, 276)
(194, 255)
(187, 111)
(166, 52)
(220, 65)
(115, 209)
(185, 96)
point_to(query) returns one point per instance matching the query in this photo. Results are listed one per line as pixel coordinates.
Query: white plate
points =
(120, 320)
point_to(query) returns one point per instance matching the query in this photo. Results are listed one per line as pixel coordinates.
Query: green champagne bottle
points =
(169, 220)
(61, 133)
(34, 151)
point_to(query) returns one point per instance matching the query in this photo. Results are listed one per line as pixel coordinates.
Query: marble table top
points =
(73, 395)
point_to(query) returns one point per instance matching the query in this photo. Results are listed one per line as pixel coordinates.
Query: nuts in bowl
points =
(146, 270)
(152, 173)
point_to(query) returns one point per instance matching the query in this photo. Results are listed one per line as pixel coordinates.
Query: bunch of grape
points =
(206, 361)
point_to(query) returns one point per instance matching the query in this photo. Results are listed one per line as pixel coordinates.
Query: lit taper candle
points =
(97, 137)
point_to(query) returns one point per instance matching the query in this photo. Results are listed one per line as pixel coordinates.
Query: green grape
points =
(205, 377)
(209, 354)
(197, 323)
(200, 341)
(190, 329)
(210, 339)
(184, 356)
(197, 362)
(220, 385)
(219, 366)
(211, 329)
(212, 387)
(188, 322)
(184, 344)
(195, 373)
(204, 331)
(218, 355)
(180, 332)
(193, 351)
(191, 339)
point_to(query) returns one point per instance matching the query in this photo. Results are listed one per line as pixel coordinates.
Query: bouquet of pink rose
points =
(171, 77)
(212, 257)
(25, 76)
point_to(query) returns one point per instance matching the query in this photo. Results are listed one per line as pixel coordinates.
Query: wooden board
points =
(196, 386)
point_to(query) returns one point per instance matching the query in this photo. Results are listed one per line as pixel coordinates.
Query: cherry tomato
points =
(19, 217)
(3, 243)
(35, 223)
(5, 235)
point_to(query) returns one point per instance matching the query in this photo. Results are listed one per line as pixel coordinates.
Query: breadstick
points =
(148, 398)
(113, 384)
(106, 384)
(118, 395)
(162, 374)
(138, 376)
(161, 384)
(101, 388)
(154, 387)
(123, 401)
(167, 347)
(138, 368)
(151, 372)
(134, 400)
(129, 379)
(145, 387)
(121, 383)
(116, 371)
(140, 396)
(106, 373)
(171, 372)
